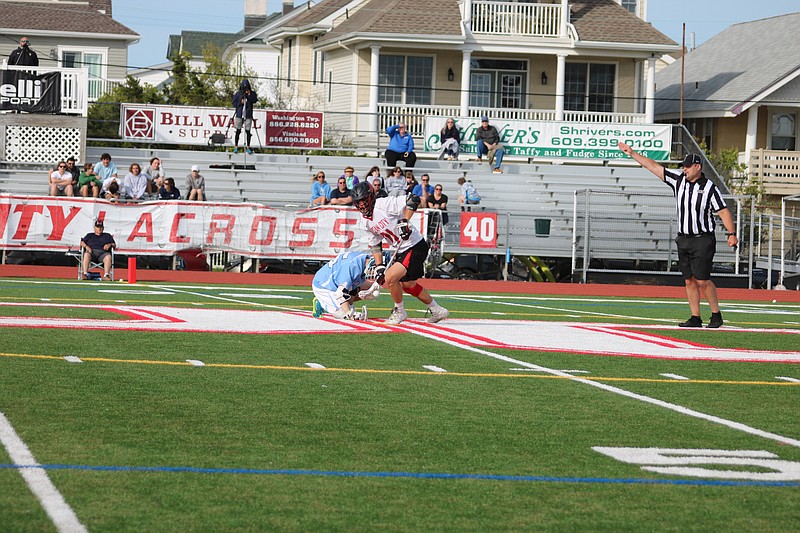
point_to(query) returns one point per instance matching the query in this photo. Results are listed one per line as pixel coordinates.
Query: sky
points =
(155, 20)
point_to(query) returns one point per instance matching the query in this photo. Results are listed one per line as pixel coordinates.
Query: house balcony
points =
(100, 86)
(517, 19)
(777, 170)
(74, 86)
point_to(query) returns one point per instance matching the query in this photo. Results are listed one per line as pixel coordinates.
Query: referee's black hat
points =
(692, 159)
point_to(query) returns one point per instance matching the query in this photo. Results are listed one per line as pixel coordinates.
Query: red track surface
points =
(566, 289)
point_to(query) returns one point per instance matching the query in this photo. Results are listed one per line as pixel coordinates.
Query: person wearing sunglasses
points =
(396, 182)
(61, 181)
(423, 190)
(450, 138)
(320, 190)
(23, 55)
(401, 146)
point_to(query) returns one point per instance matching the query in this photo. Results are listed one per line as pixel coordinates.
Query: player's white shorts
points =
(326, 298)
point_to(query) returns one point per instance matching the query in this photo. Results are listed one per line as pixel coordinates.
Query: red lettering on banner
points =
(266, 241)
(25, 220)
(349, 235)
(166, 119)
(60, 222)
(219, 121)
(173, 233)
(5, 209)
(310, 234)
(227, 230)
(143, 228)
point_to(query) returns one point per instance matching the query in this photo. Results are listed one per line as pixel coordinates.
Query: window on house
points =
(630, 5)
(405, 80)
(589, 87)
(497, 83)
(784, 131)
(95, 63)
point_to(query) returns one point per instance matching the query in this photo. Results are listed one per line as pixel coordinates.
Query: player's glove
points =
(404, 229)
(342, 295)
(380, 274)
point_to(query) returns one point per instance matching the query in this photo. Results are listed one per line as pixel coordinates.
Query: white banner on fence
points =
(162, 228)
(561, 140)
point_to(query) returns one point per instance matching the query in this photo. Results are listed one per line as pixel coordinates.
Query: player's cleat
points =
(693, 322)
(397, 316)
(316, 308)
(716, 321)
(438, 315)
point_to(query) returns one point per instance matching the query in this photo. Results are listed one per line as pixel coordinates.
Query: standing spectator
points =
(105, 168)
(450, 138)
(349, 175)
(135, 182)
(401, 146)
(467, 194)
(61, 181)
(396, 183)
(23, 56)
(423, 190)
(88, 182)
(696, 198)
(243, 102)
(195, 185)
(341, 194)
(439, 201)
(168, 191)
(487, 142)
(387, 218)
(411, 182)
(155, 175)
(320, 190)
(97, 247)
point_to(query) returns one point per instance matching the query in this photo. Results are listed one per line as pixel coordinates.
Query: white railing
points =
(74, 84)
(511, 18)
(614, 118)
(101, 86)
(777, 170)
(412, 115)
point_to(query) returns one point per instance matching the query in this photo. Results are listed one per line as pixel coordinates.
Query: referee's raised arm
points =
(646, 162)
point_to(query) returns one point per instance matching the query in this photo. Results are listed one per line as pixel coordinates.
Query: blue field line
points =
(412, 475)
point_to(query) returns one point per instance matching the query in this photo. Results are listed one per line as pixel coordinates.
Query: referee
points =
(697, 198)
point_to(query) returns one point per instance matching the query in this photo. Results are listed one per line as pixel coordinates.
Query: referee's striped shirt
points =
(696, 203)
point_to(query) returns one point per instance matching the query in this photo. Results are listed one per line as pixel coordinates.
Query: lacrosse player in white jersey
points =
(342, 281)
(387, 218)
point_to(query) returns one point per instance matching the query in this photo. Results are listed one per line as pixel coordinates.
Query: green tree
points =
(104, 114)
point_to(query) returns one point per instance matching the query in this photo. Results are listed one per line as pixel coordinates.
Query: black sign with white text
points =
(31, 93)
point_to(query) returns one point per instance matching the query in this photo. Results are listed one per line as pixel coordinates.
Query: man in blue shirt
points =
(401, 147)
(343, 280)
(97, 247)
(423, 190)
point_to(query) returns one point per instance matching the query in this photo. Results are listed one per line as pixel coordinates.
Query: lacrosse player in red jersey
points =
(387, 218)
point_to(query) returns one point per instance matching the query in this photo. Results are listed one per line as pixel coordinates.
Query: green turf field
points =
(404, 430)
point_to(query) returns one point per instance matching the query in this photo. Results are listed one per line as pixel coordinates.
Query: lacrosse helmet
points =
(364, 198)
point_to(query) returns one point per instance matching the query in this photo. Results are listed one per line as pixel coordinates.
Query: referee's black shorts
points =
(696, 255)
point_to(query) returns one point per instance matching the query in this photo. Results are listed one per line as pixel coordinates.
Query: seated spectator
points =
(73, 170)
(411, 181)
(467, 194)
(439, 201)
(135, 183)
(112, 192)
(349, 175)
(195, 185)
(451, 140)
(320, 190)
(487, 142)
(97, 247)
(377, 186)
(374, 172)
(401, 146)
(341, 195)
(61, 181)
(88, 184)
(105, 168)
(168, 191)
(396, 183)
(155, 175)
(423, 190)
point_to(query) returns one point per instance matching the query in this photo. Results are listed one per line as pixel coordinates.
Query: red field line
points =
(468, 286)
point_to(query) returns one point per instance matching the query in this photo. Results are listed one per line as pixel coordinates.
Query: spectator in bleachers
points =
(411, 182)
(155, 175)
(487, 142)
(74, 171)
(349, 175)
(401, 146)
(341, 195)
(396, 182)
(88, 184)
(450, 138)
(105, 168)
(423, 190)
(374, 172)
(195, 185)
(61, 181)
(168, 191)
(438, 200)
(467, 194)
(378, 187)
(135, 183)
(320, 190)
(112, 192)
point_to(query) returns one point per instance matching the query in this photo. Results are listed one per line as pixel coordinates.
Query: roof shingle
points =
(59, 17)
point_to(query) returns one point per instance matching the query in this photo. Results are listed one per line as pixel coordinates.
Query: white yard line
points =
(195, 362)
(315, 365)
(790, 380)
(72, 359)
(59, 511)
(433, 368)
(609, 388)
(232, 300)
(674, 376)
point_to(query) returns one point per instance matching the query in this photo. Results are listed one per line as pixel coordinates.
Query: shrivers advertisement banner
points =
(161, 228)
(195, 125)
(30, 93)
(561, 140)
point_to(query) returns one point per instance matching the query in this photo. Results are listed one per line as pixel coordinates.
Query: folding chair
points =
(78, 255)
